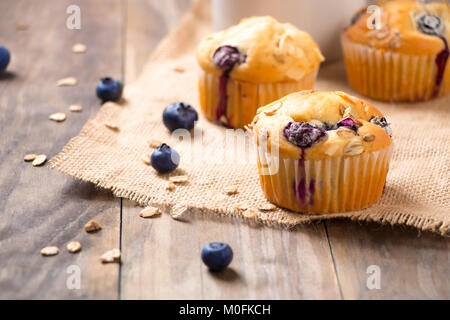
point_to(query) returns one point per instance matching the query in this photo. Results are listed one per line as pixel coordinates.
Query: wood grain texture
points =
(162, 259)
(412, 265)
(39, 207)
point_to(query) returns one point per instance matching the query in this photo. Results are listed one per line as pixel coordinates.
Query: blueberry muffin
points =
(322, 152)
(252, 64)
(405, 59)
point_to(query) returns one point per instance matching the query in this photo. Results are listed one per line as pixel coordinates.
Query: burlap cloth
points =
(417, 189)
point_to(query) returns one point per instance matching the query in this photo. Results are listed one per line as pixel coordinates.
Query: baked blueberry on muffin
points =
(406, 58)
(252, 64)
(322, 152)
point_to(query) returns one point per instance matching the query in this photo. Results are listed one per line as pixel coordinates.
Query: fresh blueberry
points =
(109, 89)
(217, 255)
(303, 134)
(429, 24)
(4, 58)
(179, 116)
(226, 57)
(349, 123)
(164, 159)
(383, 123)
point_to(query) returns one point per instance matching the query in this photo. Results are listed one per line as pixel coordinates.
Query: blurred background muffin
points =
(252, 64)
(398, 50)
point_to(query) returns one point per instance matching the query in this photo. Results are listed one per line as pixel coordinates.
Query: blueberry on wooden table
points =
(217, 255)
(164, 159)
(179, 115)
(109, 89)
(4, 58)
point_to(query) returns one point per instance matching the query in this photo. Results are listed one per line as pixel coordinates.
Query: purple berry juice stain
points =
(225, 58)
(432, 25)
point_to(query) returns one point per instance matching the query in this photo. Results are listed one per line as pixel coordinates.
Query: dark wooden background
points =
(40, 207)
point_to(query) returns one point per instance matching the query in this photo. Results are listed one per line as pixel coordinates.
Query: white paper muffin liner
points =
(324, 186)
(391, 76)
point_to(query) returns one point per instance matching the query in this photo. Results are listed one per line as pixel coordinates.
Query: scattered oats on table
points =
(58, 117)
(179, 179)
(267, 207)
(112, 126)
(170, 186)
(153, 143)
(242, 206)
(79, 48)
(111, 256)
(30, 157)
(149, 212)
(177, 213)
(50, 251)
(74, 247)
(92, 226)
(39, 160)
(69, 81)
(146, 159)
(179, 69)
(75, 108)
(250, 213)
(231, 190)
(22, 26)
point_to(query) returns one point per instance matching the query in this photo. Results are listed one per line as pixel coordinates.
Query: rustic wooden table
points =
(40, 207)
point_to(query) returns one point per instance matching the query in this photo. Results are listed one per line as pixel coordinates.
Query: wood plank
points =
(40, 207)
(412, 265)
(161, 257)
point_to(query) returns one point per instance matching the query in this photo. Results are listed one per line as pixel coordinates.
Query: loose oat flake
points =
(112, 126)
(179, 69)
(79, 48)
(39, 160)
(146, 159)
(30, 157)
(50, 251)
(70, 81)
(267, 207)
(58, 117)
(250, 213)
(92, 226)
(231, 190)
(74, 247)
(242, 206)
(21, 26)
(111, 256)
(178, 212)
(75, 108)
(179, 179)
(154, 143)
(149, 212)
(170, 186)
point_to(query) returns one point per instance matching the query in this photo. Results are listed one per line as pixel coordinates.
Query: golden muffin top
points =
(260, 50)
(318, 125)
(406, 26)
